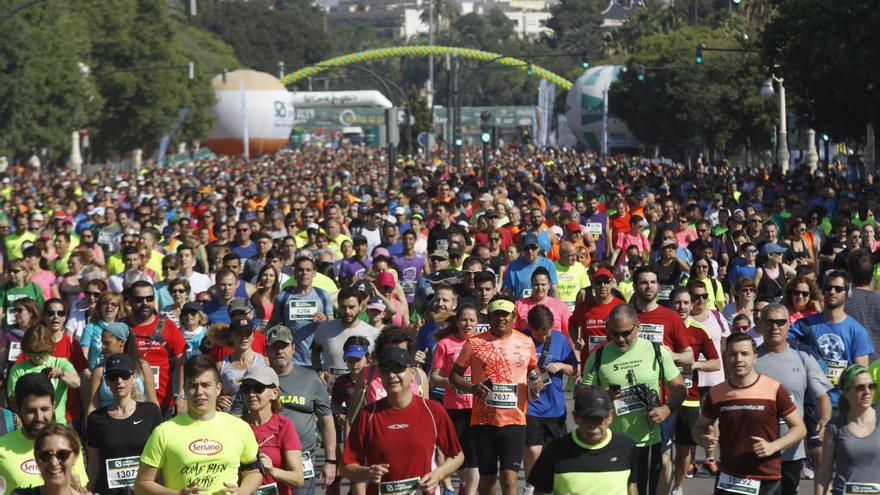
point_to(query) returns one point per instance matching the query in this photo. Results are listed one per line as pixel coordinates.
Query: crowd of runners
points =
(299, 322)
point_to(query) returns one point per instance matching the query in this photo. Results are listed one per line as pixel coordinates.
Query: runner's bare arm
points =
(429, 482)
(861, 361)
(328, 434)
(437, 378)
(705, 433)
(796, 432)
(823, 404)
(360, 473)
(94, 466)
(458, 381)
(180, 403)
(250, 481)
(633, 488)
(677, 395)
(822, 485)
(685, 357)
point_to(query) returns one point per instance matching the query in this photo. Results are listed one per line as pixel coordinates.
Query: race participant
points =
(500, 361)
(410, 265)
(708, 359)
(799, 373)
(663, 326)
(591, 460)
(34, 395)
(484, 283)
(305, 402)
(280, 449)
(450, 340)
(327, 346)
(545, 420)
(198, 282)
(517, 280)
(160, 342)
(587, 322)
(572, 275)
(56, 443)
(851, 447)
(835, 338)
(117, 433)
(223, 293)
(444, 302)
(539, 297)
(748, 407)
(392, 443)
(301, 308)
(633, 369)
(596, 225)
(201, 450)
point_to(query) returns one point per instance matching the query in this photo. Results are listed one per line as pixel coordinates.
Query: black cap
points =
(191, 307)
(362, 286)
(591, 401)
(397, 355)
(237, 325)
(118, 362)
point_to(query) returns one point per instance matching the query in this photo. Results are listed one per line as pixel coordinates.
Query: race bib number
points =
(502, 396)
(571, 305)
(105, 238)
(302, 310)
(14, 351)
(527, 293)
(627, 403)
(481, 327)
(156, 370)
(409, 287)
(594, 229)
(443, 244)
(688, 378)
(308, 465)
(338, 371)
(734, 484)
(122, 471)
(270, 489)
(835, 369)
(862, 488)
(403, 487)
(595, 341)
(665, 291)
(651, 332)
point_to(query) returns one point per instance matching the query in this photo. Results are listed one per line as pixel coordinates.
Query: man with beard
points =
(18, 469)
(330, 336)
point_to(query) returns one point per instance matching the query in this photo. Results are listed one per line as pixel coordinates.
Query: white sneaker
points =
(528, 490)
(807, 473)
(678, 491)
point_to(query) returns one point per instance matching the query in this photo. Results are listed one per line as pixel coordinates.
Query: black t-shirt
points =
(438, 237)
(116, 438)
(567, 464)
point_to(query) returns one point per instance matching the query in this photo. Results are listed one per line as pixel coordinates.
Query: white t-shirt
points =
(330, 337)
(717, 328)
(198, 282)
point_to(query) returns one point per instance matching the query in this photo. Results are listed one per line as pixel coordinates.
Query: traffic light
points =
(641, 73)
(485, 127)
(585, 64)
(529, 70)
(699, 58)
(826, 137)
(458, 142)
(737, 2)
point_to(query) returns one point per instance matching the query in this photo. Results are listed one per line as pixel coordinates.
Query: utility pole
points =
(448, 128)
(456, 116)
(429, 88)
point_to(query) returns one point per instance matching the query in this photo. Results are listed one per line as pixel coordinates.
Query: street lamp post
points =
(782, 155)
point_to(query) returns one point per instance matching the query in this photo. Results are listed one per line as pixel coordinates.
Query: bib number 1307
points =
(122, 471)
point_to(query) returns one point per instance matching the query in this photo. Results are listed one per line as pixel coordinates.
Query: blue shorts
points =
(667, 431)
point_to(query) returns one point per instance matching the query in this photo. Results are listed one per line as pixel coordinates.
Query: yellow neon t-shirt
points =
(206, 453)
(18, 467)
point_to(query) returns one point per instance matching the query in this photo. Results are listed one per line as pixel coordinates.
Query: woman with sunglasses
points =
(116, 339)
(280, 447)
(239, 335)
(56, 451)
(702, 270)
(118, 430)
(19, 287)
(179, 289)
(802, 298)
(108, 309)
(81, 311)
(38, 344)
(743, 300)
(192, 323)
(851, 446)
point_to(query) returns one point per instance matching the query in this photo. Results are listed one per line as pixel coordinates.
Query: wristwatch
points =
(331, 461)
(180, 395)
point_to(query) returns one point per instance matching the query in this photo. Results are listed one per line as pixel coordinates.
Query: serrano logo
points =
(30, 467)
(398, 426)
(205, 446)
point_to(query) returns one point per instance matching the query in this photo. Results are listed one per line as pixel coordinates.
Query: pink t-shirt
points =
(280, 436)
(444, 359)
(624, 240)
(44, 280)
(561, 313)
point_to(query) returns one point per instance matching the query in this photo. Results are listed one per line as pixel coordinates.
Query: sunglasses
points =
(253, 388)
(834, 288)
(776, 322)
(113, 376)
(93, 294)
(62, 455)
(801, 293)
(623, 335)
(865, 387)
(178, 291)
(751, 251)
(143, 299)
(391, 367)
(741, 328)
(602, 281)
(704, 296)
(747, 289)
(54, 313)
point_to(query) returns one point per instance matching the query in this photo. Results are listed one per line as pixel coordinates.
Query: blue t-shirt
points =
(245, 253)
(425, 342)
(295, 310)
(835, 345)
(551, 403)
(217, 312)
(518, 276)
(91, 338)
(740, 269)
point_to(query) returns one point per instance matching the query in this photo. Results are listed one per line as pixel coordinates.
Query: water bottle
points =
(533, 381)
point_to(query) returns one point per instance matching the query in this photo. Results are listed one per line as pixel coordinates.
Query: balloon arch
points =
(423, 51)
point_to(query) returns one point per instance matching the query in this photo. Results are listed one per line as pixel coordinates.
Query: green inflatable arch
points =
(424, 51)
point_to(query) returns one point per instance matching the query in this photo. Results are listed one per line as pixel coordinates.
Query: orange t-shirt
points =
(505, 361)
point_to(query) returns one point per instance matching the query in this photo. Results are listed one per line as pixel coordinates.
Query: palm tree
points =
(445, 13)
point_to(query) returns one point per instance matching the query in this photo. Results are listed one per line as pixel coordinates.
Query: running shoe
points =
(692, 471)
(711, 466)
(807, 473)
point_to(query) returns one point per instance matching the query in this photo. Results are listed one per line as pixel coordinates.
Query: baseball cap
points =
(491, 214)
(530, 239)
(669, 242)
(773, 248)
(394, 354)
(591, 401)
(238, 325)
(359, 239)
(602, 272)
(354, 351)
(313, 226)
(501, 305)
(376, 303)
(556, 229)
(192, 307)
(381, 252)
(279, 333)
(119, 362)
(239, 304)
(440, 253)
(362, 286)
(400, 210)
(385, 279)
(261, 374)
(573, 226)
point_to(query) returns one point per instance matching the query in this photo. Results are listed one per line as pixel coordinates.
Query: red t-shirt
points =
(161, 355)
(744, 412)
(276, 438)
(404, 439)
(589, 319)
(218, 352)
(664, 326)
(68, 348)
(702, 345)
